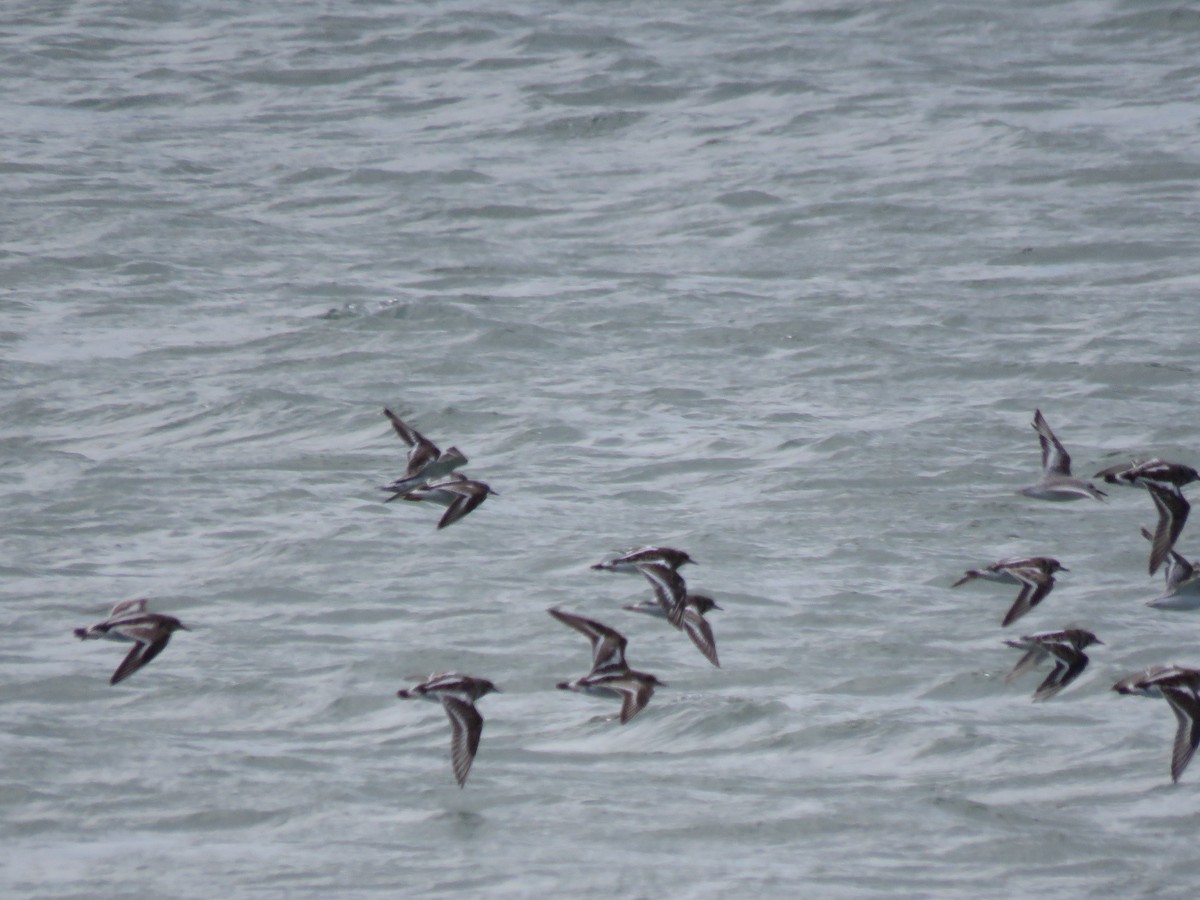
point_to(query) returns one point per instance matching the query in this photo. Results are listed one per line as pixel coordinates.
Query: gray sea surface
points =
(779, 283)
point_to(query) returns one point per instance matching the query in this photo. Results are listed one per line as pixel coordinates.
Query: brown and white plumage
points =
(130, 622)
(460, 496)
(670, 590)
(700, 631)
(608, 644)
(610, 675)
(1164, 481)
(629, 560)
(1149, 471)
(1145, 682)
(634, 689)
(1035, 575)
(1182, 588)
(692, 622)
(1180, 687)
(425, 461)
(1056, 482)
(1066, 648)
(457, 694)
(1172, 515)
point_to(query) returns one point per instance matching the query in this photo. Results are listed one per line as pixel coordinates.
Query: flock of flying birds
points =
(430, 476)
(1164, 481)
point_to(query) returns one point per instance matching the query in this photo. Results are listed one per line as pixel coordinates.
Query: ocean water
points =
(780, 283)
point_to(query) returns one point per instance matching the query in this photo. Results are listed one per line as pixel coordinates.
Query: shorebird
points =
(610, 675)
(1069, 659)
(629, 560)
(693, 621)
(425, 461)
(457, 694)
(129, 621)
(1149, 471)
(458, 493)
(1164, 480)
(1056, 482)
(1180, 687)
(1035, 574)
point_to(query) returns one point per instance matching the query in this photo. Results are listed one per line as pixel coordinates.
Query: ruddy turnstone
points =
(129, 621)
(457, 694)
(610, 675)
(694, 623)
(1150, 471)
(456, 492)
(629, 560)
(1035, 574)
(1164, 480)
(1056, 482)
(1180, 687)
(1183, 582)
(425, 461)
(1069, 659)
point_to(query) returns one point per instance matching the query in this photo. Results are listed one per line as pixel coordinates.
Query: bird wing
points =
(1069, 664)
(466, 726)
(128, 607)
(700, 632)
(1187, 713)
(608, 645)
(1172, 514)
(635, 694)
(1054, 456)
(669, 589)
(1035, 585)
(1034, 654)
(468, 495)
(140, 654)
(1178, 569)
(422, 450)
